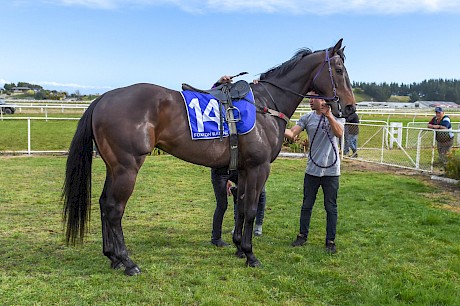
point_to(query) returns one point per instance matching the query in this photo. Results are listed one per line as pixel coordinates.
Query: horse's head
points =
(331, 82)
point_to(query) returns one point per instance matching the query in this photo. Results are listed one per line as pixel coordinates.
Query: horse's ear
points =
(341, 53)
(337, 46)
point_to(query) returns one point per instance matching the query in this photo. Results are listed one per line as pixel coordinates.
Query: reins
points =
(323, 120)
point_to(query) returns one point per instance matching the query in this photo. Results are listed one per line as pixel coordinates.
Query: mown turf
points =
(394, 246)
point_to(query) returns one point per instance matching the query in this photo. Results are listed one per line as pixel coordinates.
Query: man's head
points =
(439, 111)
(315, 103)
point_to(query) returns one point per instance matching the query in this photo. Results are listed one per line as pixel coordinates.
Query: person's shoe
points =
(330, 247)
(219, 243)
(234, 191)
(300, 240)
(258, 230)
(354, 155)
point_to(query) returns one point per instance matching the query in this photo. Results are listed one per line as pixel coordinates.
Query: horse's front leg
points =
(250, 211)
(238, 233)
(253, 181)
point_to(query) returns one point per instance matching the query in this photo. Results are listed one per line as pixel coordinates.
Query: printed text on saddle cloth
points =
(204, 116)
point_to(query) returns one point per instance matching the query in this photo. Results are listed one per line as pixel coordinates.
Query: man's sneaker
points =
(300, 240)
(330, 247)
(258, 230)
(219, 242)
(234, 191)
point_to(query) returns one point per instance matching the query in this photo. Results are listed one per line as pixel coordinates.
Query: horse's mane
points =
(288, 65)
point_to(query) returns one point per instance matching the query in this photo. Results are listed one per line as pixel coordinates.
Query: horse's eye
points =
(339, 71)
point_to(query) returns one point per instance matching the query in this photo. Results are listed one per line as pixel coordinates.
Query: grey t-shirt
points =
(321, 141)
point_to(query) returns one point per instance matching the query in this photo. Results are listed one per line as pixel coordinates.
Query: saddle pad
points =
(204, 116)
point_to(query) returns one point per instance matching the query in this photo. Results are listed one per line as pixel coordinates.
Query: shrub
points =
(453, 164)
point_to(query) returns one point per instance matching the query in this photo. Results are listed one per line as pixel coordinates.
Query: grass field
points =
(395, 246)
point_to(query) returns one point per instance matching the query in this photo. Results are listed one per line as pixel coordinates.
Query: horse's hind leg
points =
(107, 237)
(118, 187)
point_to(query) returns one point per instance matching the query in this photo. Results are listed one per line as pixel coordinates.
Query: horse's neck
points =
(287, 102)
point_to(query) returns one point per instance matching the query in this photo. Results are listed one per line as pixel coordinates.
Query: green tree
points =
(414, 97)
(9, 86)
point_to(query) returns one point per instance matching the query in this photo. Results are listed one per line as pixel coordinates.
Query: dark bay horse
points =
(126, 124)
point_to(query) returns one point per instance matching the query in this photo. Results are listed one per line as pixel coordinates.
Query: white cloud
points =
(46, 84)
(280, 6)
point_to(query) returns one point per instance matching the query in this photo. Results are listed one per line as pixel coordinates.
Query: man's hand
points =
(229, 186)
(225, 79)
(325, 109)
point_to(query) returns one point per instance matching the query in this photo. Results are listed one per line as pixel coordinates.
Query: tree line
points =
(428, 90)
(37, 92)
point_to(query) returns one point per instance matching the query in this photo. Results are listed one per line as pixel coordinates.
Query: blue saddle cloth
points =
(204, 116)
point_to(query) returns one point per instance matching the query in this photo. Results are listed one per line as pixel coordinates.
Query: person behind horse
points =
(444, 139)
(351, 135)
(222, 182)
(323, 167)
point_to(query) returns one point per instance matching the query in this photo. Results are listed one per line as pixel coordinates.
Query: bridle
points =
(335, 98)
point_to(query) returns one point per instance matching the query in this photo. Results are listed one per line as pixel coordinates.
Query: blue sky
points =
(97, 45)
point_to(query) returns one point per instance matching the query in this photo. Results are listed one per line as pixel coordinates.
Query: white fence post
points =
(395, 130)
(28, 137)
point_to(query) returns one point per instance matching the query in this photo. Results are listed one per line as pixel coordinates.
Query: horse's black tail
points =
(76, 191)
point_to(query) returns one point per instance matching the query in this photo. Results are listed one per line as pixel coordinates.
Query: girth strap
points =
(272, 112)
(233, 137)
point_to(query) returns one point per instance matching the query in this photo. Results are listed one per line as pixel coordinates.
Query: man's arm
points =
(336, 127)
(293, 132)
(436, 126)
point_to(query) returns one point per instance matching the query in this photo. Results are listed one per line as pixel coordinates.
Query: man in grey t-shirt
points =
(323, 167)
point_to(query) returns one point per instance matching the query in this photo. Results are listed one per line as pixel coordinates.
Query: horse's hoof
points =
(254, 264)
(117, 265)
(240, 254)
(133, 271)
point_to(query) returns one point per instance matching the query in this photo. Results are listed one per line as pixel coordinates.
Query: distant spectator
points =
(351, 135)
(444, 139)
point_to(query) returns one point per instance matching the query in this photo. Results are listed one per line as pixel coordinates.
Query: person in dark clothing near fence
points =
(351, 135)
(444, 138)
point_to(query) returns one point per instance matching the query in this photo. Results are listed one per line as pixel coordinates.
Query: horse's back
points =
(133, 120)
(129, 118)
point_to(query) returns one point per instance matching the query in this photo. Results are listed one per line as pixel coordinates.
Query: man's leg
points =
(443, 149)
(219, 184)
(260, 212)
(330, 185)
(346, 145)
(354, 143)
(310, 189)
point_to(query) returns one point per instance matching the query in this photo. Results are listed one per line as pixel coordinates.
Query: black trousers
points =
(219, 178)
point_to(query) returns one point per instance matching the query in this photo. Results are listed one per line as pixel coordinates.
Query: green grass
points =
(394, 246)
(45, 135)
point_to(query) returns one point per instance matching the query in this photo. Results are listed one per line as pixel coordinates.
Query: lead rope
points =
(323, 120)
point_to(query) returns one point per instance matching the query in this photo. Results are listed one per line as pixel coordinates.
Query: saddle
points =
(237, 90)
(226, 93)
